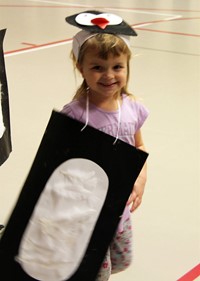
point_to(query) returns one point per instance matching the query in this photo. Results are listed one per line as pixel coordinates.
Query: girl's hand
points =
(136, 196)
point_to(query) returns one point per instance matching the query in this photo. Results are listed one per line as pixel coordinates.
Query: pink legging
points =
(119, 254)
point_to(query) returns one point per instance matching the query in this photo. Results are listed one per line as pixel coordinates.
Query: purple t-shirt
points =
(132, 116)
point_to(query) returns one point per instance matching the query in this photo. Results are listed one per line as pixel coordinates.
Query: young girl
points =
(103, 102)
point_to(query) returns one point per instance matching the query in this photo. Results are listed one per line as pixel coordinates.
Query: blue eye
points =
(97, 67)
(118, 66)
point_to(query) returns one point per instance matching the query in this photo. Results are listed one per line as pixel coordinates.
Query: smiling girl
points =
(103, 102)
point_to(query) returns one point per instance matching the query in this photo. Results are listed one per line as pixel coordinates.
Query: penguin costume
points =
(64, 218)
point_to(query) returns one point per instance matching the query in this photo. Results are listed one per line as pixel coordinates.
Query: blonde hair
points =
(105, 44)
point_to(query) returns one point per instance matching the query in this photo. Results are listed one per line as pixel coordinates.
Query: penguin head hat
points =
(92, 23)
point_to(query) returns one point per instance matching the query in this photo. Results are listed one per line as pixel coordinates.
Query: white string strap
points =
(118, 123)
(87, 113)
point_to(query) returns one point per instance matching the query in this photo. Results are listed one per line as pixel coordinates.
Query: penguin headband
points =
(94, 22)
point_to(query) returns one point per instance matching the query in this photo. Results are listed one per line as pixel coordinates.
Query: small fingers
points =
(135, 200)
(136, 204)
(132, 197)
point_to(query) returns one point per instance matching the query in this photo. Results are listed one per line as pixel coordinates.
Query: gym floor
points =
(165, 75)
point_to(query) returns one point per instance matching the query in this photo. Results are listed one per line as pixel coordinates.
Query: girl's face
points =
(104, 77)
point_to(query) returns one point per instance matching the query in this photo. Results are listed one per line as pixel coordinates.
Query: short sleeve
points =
(143, 113)
(67, 110)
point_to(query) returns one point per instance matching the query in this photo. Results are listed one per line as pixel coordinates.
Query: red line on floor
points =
(191, 275)
(163, 31)
(167, 20)
(100, 7)
(45, 6)
(29, 44)
(153, 9)
(37, 46)
(169, 32)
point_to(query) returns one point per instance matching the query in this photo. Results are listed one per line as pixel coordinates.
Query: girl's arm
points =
(136, 196)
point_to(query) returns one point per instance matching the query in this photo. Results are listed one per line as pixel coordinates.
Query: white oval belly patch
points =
(60, 228)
